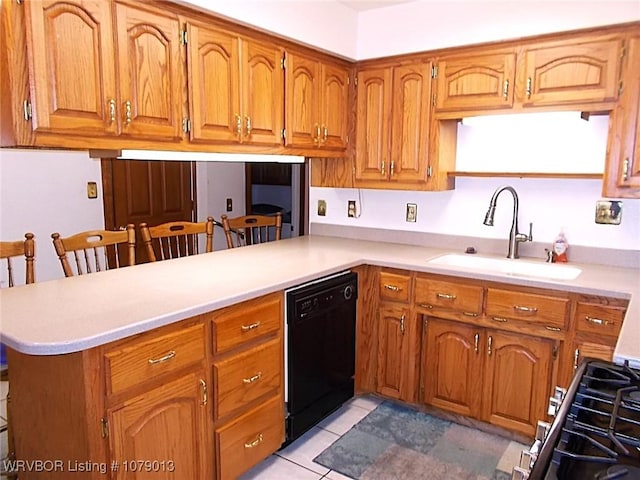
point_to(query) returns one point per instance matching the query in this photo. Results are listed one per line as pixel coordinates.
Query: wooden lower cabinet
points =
(452, 366)
(393, 346)
(501, 378)
(160, 433)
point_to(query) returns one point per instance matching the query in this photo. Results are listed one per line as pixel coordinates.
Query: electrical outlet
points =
(322, 208)
(92, 190)
(229, 205)
(351, 208)
(609, 212)
(412, 212)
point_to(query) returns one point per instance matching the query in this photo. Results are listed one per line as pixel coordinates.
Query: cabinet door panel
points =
(262, 93)
(452, 370)
(410, 122)
(517, 380)
(392, 342)
(585, 72)
(214, 66)
(72, 65)
(167, 424)
(476, 82)
(303, 101)
(372, 131)
(335, 106)
(150, 69)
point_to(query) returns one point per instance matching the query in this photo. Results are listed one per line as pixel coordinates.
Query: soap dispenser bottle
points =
(560, 247)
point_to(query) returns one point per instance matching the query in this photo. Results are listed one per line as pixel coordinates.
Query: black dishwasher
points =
(319, 350)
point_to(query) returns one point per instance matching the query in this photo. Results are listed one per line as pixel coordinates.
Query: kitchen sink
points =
(524, 268)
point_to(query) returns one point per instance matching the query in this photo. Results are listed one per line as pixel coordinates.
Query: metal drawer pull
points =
(164, 358)
(205, 395)
(246, 328)
(519, 308)
(553, 329)
(255, 443)
(505, 89)
(598, 321)
(476, 340)
(490, 345)
(470, 314)
(446, 296)
(402, 324)
(255, 378)
(393, 288)
(499, 319)
(425, 305)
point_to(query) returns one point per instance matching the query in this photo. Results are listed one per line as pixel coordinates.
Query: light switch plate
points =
(609, 212)
(92, 190)
(322, 208)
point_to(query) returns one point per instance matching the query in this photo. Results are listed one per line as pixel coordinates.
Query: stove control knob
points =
(519, 474)
(542, 430)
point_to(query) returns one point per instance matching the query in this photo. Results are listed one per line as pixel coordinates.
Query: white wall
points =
(429, 24)
(45, 192)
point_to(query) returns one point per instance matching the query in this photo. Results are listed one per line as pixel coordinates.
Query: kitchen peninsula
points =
(86, 333)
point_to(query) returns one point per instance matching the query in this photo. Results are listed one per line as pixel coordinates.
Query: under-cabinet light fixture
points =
(206, 156)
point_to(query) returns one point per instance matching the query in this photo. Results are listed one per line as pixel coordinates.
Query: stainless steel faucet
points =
(515, 237)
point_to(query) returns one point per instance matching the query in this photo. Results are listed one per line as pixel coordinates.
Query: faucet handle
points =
(530, 237)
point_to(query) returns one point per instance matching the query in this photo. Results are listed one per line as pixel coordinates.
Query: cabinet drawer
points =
(153, 354)
(466, 299)
(601, 319)
(505, 305)
(394, 287)
(245, 321)
(251, 438)
(243, 378)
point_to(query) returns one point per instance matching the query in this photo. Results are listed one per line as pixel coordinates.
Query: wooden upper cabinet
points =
(580, 72)
(410, 123)
(213, 65)
(72, 68)
(262, 92)
(150, 65)
(622, 174)
(475, 82)
(248, 83)
(373, 126)
(317, 103)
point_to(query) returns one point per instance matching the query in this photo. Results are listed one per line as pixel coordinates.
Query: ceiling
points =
(362, 5)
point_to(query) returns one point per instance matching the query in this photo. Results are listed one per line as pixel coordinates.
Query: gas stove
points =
(596, 432)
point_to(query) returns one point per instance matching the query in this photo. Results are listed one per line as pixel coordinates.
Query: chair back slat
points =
(251, 229)
(26, 249)
(96, 250)
(176, 239)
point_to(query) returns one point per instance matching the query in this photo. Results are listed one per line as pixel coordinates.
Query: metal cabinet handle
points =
(425, 305)
(505, 89)
(382, 170)
(316, 137)
(393, 288)
(446, 296)
(238, 125)
(255, 443)
(402, 323)
(252, 379)
(171, 354)
(476, 341)
(576, 358)
(247, 119)
(205, 395)
(528, 87)
(470, 314)
(553, 329)
(499, 319)
(393, 165)
(522, 309)
(598, 321)
(246, 328)
(625, 170)
(127, 112)
(325, 133)
(490, 345)
(112, 110)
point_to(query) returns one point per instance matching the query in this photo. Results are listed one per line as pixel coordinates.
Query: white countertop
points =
(73, 314)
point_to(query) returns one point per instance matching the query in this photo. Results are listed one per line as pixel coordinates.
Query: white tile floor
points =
(296, 461)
